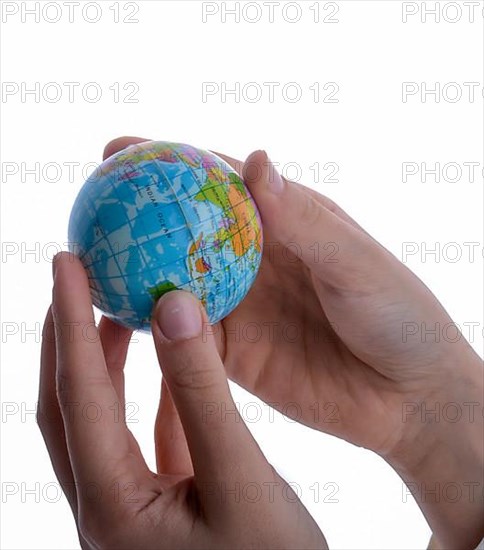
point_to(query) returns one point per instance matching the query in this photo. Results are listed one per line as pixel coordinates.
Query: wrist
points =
(441, 456)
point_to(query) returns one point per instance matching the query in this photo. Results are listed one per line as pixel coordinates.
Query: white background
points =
(369, 132)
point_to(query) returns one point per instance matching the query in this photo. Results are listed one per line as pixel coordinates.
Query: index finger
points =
(97, 440)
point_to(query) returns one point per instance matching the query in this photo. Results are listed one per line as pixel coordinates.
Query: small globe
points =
(160, 216)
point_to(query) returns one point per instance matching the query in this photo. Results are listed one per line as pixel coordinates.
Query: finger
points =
(329, 204)
(121, 143)
(99, 445)
(220, 445)
(49, 415)
(330, 245)
(238, 166)
(115, 342)
(172, 454)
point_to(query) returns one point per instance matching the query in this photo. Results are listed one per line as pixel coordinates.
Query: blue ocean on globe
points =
(159, 216)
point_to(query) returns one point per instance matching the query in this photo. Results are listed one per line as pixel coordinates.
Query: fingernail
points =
(178, 315)
(275, 181)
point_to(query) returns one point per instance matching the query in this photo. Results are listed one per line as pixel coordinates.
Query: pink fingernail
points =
(179, 316)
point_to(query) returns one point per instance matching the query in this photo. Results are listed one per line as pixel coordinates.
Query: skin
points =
(116, 500)
(352, 366)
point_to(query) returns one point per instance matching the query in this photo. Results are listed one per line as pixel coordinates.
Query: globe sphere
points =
(159, 216)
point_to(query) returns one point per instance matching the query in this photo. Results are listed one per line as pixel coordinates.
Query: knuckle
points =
(71, 390)
(193, 376)
(63, 389)
(307, 217)
(310, 210)
(330, 205)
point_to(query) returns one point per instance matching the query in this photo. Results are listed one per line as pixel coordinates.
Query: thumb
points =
(216, 435)
(333, 246)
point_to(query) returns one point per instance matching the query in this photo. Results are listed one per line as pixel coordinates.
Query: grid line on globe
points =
(172, 231)
(184, 217)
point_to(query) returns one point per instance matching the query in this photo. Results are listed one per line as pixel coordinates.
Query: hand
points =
(213, 490)
(338, 326)
(360, 349)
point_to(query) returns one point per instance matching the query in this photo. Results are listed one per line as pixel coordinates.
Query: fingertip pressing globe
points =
(159, 216)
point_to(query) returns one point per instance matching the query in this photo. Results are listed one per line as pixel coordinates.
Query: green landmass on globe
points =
(162, 288)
